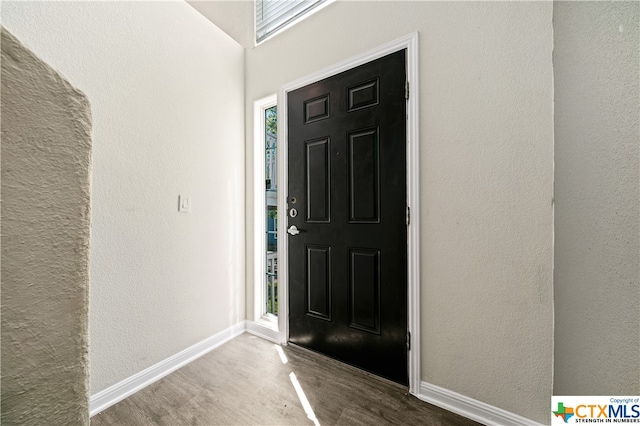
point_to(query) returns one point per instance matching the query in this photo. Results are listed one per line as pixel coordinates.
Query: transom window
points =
(274, 15)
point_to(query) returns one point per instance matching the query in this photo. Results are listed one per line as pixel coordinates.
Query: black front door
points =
(347, 217)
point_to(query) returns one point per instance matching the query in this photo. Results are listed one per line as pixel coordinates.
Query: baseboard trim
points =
(116, 393)
(441, 397)
(264, 332)
(471, 408)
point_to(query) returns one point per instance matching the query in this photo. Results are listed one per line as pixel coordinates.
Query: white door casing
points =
(410, 43)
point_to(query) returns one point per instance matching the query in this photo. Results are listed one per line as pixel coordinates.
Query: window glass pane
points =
(271, 211)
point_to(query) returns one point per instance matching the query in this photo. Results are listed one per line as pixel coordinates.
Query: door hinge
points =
(408, 215)
(406, 89)
(408, 340)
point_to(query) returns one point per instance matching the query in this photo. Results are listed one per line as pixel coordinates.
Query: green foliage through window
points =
(271, 121)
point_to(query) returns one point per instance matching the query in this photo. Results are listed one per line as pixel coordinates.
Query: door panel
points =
(347, 180)
(318, 191)
(364, 176)
(319, 281)
(364, 289)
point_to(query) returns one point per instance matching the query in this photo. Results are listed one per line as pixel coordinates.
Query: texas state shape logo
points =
(565, 412)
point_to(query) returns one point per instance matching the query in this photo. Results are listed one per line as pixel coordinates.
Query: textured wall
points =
(166, 88)
(597, 251)
(486, 165)
(46, 157)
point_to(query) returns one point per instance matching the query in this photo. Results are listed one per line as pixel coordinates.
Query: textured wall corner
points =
(167, 95)
(46, 158)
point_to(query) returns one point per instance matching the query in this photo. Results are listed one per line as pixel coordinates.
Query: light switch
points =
(184, 203)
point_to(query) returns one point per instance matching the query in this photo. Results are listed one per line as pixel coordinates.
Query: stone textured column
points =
(46, 160)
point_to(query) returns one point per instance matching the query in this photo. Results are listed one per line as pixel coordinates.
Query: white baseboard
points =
(471, 408)
(444, 398)
(116, 393)
(263, 331)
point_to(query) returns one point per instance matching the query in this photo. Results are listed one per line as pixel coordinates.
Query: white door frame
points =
(410, 43)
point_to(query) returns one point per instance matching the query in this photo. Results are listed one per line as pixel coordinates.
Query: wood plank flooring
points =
(250, 381)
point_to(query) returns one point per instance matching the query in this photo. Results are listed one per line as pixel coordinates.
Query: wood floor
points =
(250, 381)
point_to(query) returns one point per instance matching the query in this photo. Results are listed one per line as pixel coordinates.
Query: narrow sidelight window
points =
(271, 210)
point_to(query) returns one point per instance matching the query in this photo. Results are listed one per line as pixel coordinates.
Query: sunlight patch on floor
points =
(283, 357)
(303, 399)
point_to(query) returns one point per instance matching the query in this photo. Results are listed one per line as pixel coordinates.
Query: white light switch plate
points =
(184, 203)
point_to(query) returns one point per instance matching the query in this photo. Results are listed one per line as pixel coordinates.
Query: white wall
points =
(486, 164)
(46, 159)
(166, 89)
(597, 255)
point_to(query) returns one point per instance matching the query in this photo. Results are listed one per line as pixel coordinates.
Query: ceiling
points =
(234, 17)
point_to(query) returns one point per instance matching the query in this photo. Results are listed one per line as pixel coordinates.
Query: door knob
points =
(293, 230)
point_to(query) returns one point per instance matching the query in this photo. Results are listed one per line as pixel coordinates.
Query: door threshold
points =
(311, 354)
